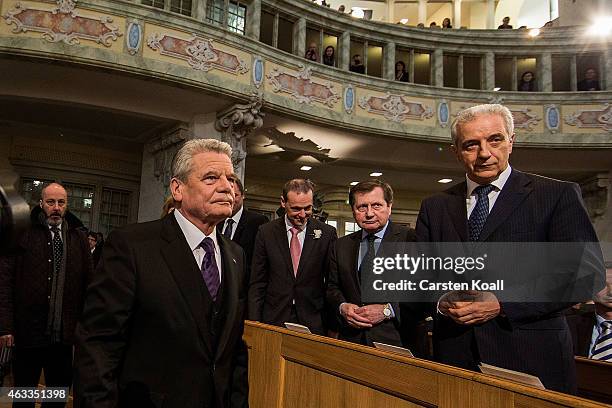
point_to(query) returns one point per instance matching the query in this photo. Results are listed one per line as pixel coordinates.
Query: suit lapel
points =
(307, 248)
(354, 259)
(283, 243)
(230, 275)
(187, 275)
(457, 209)
(512, 195)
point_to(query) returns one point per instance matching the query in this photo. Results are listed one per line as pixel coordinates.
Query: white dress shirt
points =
(194, 238)
(498, 184)
(59, 227)
(301, 235)
(596, 333)
(236, 219)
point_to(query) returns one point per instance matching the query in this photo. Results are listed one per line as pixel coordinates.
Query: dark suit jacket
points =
(273, 285)
(581, 323)
(344, 286)
(531, 337)
(245, 233)
(150, 333)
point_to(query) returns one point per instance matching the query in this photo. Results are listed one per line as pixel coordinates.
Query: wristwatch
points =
(387, 311)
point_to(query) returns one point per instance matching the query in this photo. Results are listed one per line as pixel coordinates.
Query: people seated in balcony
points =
(311, 53)
(420, 25)
(506, 24)
(433, 25)
(400, 72)
(590, 81)
(527, 82)
(328, 56)
(357, 66)
(446, 23)
(341, 9)
(548, 24)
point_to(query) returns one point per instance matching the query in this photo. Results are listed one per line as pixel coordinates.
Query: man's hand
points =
(348, 311)
(7, 340)
(475, 307)
(374, 313)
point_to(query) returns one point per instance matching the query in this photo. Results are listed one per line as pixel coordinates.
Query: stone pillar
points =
(544, 64)
(299, 37)
(437, 68)
(389, 61)
(344, 57)
(489, 71)
(391, 11)
(235, 124)
(573, 74)
(253, 19)
(460, 83)
(514, 74)
(198, 10)
(606, 75)
(156, 173)
(422, 16)
(457, 13)
(411, 66)
(490, 14)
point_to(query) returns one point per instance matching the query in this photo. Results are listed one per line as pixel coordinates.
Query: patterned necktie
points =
(228, 228)
(367, 263)
(481, 211)
(58, 249)
(602, 350)
(210, 271)
(295, 249)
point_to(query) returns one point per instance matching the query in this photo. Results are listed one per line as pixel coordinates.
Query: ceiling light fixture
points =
(534, 32)
(445, 180)
(305, 168)
(404, 21)
(375, 174)
(354, 183)
(497, 88)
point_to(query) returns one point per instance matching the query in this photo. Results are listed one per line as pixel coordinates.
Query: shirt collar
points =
(379, 235)
(497, 183)
(59, 226)
(236, 217)
(600, 320)
(193, 235)
(289, 225)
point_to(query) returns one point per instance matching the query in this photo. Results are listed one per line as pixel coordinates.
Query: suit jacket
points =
(151, 335)
(245, 233)
(530, 337)
(581, 323)
(273, 285)
(344, 286)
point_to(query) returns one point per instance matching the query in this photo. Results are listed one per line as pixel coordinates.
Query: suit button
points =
(48, 297)
(49, 260)
(49, 278)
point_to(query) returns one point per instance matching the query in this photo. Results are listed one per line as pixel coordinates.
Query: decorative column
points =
(411, 66)
(606, 75)
(460, 83)
(489, 71)
(236, 123)
(299, 37)
(573, 74)
(198, 10)
(544, 64)
(389, 61)
(422, 16)
(391, 11)
(514, 78)
(253, 19)
(490, 14)
(344, 57)
(437, 68)
(156, 172)
(457, 13)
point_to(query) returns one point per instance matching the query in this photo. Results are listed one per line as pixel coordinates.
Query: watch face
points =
(387, 312)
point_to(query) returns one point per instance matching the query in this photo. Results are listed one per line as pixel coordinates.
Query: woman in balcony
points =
(400, 72)
(328, 56)
(311, 53)
(527, 82)
(446, 23)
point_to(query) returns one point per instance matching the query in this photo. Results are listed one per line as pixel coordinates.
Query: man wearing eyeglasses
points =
(371, 203)
(41, 292)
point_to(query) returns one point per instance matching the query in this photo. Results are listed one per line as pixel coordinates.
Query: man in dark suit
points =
(164, 314)
(497, 203)
(243, 225)
(371, 202)
(291, 264)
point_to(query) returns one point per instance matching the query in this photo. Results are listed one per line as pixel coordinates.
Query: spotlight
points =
(375, 174)
(534, 32)
(305, 168)
(354, 183)
(602, 26)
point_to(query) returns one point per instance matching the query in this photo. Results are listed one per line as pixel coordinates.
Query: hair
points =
(92, 234)
(368, 186)
(469, 114)
(169, 204)
(403, 65)
(528, 72)
(449, 22)
(238, 183)
(297, 186)
(182, 162)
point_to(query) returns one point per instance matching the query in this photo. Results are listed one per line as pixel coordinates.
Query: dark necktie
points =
(210, 271)
(367, 263)
(228, 228)
(602, 350)
(58, 249)
(481, 211)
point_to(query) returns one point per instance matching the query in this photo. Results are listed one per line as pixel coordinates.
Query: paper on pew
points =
(297, 327)
(393, 349)
(511, 375)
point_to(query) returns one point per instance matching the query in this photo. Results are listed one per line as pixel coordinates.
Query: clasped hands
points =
(362, 317)
(469, 307)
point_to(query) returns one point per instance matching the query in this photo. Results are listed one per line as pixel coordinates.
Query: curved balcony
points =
(202, 51)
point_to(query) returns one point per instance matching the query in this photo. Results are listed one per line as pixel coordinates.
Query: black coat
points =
(273, 285)
(245, 233)
(26, 276)
(150, 333)
(531, 337)
(344, 286)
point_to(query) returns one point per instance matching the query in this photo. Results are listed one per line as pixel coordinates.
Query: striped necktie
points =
(602, 350)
